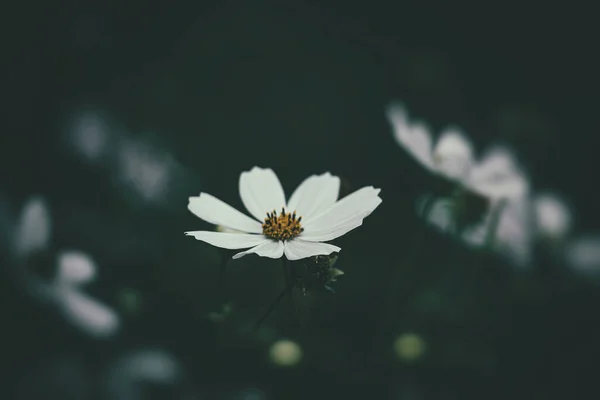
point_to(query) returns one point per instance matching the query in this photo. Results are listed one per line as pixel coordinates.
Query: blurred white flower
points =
(496, 175)
(74, 268)
(451, 155)
(88, 134)
(127, 375)
(83, 311)
(32, 232)
(553, 217)
(495, 178)
(317, 217)
(146, 171)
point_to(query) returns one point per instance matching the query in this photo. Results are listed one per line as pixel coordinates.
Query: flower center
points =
(283, 226)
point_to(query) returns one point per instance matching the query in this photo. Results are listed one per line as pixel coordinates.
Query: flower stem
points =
(286, 268)
(492, 231)
(272, 307)
(226, 257)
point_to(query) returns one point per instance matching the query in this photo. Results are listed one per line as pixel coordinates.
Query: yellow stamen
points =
(283, 226)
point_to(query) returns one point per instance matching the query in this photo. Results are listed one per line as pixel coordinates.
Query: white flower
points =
(147, 171)
(32, 234)
(86, 313)
(315, 216)
(495, 177)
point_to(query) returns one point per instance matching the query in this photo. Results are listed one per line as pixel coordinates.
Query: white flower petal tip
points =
(75, 267)
(345, 215)
(215, 211)
(415, 137)
(315, 194)
(396, 113)
(228, 240)
(34, 227)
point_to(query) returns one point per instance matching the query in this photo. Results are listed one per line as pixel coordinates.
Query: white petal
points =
(297, 249)
(75, 267)
(583, 255)
(269, 248)
(552, 216)
(261, 192)
(33, 229)
(315, 194)
(93, 317)
(414, 137)
(228, 240)
(343, 216)
(498, 175)
(453, 154)
(217, 212)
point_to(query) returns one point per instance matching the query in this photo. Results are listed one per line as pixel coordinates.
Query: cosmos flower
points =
(296, 228)
(495, 180)
(495, 175)
(32, 235)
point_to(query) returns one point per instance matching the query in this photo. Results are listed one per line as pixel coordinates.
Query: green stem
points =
(287, 274)
(226, 257)
(272, 307)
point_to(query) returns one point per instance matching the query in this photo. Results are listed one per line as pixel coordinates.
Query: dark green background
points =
(301, 87)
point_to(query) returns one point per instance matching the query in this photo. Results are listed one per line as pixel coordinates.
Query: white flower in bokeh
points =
(496, 175)
(126, 376)
(88, 135)
(553, 217)
(315, 216)
(146, 171)
(74, 269)
(452, 154)
(496, 180)
(83, 311)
